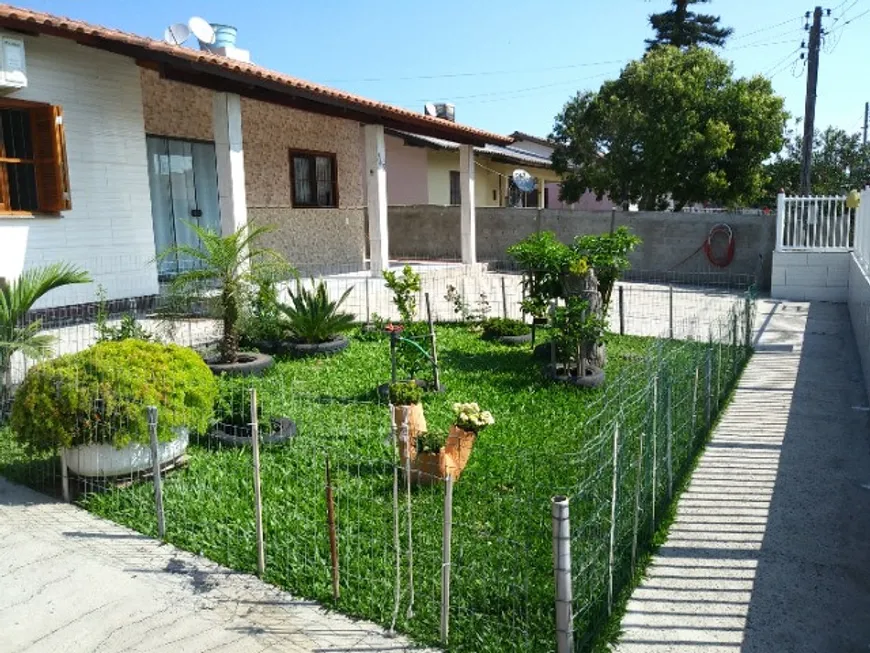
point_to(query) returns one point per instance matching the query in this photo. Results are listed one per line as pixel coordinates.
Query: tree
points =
(841, 162)
(683, 28)
(676, 126)
(233, 263)
(16, 300)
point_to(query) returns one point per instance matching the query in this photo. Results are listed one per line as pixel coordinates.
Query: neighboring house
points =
(427, 172)
(113, 142)
(544, 147)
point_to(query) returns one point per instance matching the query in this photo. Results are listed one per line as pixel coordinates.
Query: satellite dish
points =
(523, 180)
(431, 110)
(176, 34)
(202, 30)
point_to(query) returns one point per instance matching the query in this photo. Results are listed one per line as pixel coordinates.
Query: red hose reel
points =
(720, 259)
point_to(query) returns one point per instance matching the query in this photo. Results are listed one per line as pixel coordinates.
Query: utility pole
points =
(810, 104)
(866, 116)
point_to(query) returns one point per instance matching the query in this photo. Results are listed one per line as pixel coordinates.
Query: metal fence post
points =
(695, 400)
(155, 463)
(637, 488)
(621, 310)
(64, 475)
(436, 380)
(446, 561)
(333, 539)
(671, 311)
(734, 343)
(709, 386)
(613, 497)
(670, 447)
(504, 301)
(562, 568)
(258, 499)
(655, 449)
(748, 334)
(368, 303)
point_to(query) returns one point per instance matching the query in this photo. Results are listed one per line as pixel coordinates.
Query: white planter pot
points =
(106, 460)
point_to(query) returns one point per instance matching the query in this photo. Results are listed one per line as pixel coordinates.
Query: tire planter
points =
(328, 348)
(99, 460)
(248, 364)
(283, 429)
(515, 340)
(593, 378)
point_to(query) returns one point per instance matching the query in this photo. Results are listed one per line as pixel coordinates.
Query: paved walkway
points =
(72, 582)
(770, 551)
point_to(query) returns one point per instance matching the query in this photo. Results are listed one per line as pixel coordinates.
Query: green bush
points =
(311, 317)
(608, 256)
(405, 394)
(496, 327)
(100, 395)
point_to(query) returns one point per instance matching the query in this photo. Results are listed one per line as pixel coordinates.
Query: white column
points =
(230, 156)
(376, 195)
(466, 179)
(780, 221)
(542, 190)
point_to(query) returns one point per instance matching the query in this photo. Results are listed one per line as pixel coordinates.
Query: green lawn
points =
(548, 439)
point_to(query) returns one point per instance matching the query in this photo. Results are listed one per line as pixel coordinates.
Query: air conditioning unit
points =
(13, 71)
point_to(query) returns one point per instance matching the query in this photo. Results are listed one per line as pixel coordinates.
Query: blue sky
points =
(507, 65)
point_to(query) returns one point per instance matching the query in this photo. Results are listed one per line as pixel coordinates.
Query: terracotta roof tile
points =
(143, 47)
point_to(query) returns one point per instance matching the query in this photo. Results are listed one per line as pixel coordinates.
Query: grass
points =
(548, 439)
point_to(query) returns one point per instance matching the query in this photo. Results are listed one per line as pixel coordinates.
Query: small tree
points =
(607, 254)
(16, 300)
(683, 28)
(229, 263)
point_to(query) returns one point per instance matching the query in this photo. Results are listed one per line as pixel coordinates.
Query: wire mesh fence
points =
(618, 453)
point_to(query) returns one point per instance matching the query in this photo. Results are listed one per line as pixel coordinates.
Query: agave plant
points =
(311, 317)
(230, 263)
(16, 299)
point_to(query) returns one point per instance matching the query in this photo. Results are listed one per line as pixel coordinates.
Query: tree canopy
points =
(841, 162)
(675, 126)
(683, 28)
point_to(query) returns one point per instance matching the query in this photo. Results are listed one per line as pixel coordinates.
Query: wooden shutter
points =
(49, 151)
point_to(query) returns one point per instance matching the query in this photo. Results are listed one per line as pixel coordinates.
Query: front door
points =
(184, 191)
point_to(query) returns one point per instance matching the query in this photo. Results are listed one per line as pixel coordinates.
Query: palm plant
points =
(311, 317)
(16, 300)
(230, 263)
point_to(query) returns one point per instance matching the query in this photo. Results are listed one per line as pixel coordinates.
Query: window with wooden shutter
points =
(313, 179)
(33, 167)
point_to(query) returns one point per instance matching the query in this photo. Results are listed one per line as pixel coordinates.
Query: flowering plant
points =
(471, 418)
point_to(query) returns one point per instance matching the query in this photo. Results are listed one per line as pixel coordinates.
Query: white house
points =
(112, 143)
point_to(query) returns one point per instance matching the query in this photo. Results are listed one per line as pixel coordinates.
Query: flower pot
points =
(416, 425)
(95, 460)
(459, 445)
(432, 468)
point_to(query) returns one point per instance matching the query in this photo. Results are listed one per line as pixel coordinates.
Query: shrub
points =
(404, 289)
(543, 259)
(261, 324)
(100, 395)
(608, 256)
(405, 394)
(311, 317)
(496, 327)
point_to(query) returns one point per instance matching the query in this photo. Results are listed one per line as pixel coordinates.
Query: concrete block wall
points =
(671, 241)
(811, 276)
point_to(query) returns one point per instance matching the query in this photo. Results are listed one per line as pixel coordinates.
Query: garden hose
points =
(720, 261)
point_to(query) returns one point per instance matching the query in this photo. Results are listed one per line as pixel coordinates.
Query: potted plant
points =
(232, 425)
(314, 322)
(16, 334)
(224, 270)
(578, 331)
(93, 405)
(438, 455)
(405, 402)
(260, 327)
(507, 331)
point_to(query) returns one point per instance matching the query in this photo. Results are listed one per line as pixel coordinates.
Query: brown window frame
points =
(51, 198)
(312, 156)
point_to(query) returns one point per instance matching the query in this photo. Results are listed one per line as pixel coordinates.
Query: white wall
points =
(109, 230)
(810, 276)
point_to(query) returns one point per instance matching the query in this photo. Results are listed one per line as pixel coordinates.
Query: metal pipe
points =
(562, 568)
(155, 465)
(446, 560)
(258, 498)
(333, 540)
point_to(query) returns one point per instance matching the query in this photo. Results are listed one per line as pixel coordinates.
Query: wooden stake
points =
(436, 377)
(155, 462)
